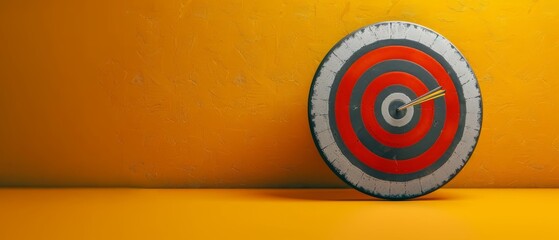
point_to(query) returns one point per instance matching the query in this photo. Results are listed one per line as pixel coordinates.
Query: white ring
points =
(386, 114)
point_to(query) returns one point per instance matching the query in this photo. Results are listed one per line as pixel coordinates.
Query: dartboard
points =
(395, 110)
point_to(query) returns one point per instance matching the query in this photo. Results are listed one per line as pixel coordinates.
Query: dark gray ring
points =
(335, 132)
(357, 120)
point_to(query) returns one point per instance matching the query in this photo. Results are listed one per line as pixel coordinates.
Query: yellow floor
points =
(276, 214)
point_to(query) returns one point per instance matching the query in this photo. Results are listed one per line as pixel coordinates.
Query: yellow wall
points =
(214, 93)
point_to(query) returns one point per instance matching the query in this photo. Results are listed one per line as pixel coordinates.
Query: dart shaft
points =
(433, 94)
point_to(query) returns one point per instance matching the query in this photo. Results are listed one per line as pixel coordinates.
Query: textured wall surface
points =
(214, 93)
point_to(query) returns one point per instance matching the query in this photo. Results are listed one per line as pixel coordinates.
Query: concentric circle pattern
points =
(355, 123)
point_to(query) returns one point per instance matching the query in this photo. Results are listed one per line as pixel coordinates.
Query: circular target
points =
(395, 110)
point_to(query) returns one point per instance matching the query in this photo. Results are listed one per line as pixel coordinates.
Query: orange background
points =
(214, 93)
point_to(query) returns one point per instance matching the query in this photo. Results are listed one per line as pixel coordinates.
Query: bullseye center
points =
(389, 111)
(393, 109)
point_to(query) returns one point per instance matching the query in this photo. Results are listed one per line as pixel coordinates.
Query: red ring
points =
(347, 132)
(371, 123)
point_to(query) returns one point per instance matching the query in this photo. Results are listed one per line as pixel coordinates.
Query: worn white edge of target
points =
(321, 124)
